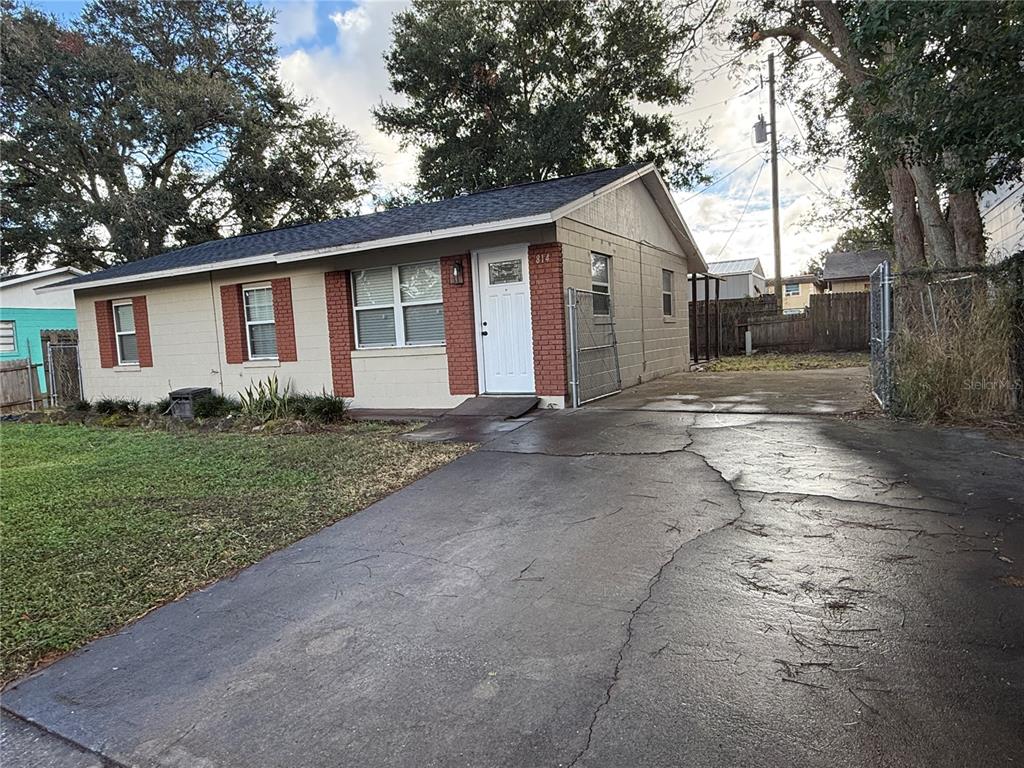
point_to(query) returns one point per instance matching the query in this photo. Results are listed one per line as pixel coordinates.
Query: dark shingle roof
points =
(521, 200)
(848, 265)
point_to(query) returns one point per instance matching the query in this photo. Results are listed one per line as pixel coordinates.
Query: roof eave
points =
(40, 275)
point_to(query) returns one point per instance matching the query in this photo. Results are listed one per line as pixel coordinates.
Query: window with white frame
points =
(8, 339)
(668, 308)
(124, 332)
(791, 289)
(260, 328)
(600, 282)
(398, 306)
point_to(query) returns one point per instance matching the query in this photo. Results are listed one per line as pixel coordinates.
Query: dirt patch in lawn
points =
(99, 525)
(774, 361)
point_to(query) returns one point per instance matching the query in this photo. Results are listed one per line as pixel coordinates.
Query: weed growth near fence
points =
(958, 347)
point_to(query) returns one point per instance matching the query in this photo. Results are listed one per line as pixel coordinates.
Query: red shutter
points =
(105, 333)
(284, 319)
(141, 313)
(235, 344)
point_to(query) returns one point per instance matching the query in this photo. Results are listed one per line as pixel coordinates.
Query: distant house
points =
(25, 314)
(417, 307)
(744, 278)
(1002, 213)
(797, 291)
(850, 271)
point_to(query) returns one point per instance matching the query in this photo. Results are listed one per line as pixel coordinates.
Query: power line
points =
(715, 104)
(744, 211)
(795, 168)
(804, 140)
(721, 178)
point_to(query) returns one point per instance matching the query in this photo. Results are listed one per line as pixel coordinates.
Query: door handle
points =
(483, 333)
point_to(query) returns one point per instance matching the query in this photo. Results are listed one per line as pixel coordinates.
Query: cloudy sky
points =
(331, 52)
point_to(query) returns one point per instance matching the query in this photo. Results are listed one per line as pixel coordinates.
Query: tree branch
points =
(804, 36)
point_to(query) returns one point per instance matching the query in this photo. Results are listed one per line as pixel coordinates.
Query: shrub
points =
(324, 408)
(213, 406)
(162, 406)
(108, 406)
(265, 400)
(80, 406)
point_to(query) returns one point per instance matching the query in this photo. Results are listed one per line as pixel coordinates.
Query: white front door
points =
(506, 328)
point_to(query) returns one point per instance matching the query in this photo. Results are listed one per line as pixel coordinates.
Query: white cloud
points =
(355, 19)
(296, 21)
(348, 79)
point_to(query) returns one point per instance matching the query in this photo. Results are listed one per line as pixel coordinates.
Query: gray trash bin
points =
(182, 401)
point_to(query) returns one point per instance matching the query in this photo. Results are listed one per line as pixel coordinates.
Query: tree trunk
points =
(906, 225)
(936, 229)
(968, 231)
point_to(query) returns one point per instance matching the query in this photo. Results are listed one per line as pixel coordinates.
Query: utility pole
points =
(776, 236)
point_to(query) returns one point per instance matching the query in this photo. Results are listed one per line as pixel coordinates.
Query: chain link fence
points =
(948, 344)
(593, 348)
(881, 334)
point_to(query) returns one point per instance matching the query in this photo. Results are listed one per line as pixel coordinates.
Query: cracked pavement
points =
(606, 587)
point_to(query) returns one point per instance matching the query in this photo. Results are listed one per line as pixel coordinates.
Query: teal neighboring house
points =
(24, 314)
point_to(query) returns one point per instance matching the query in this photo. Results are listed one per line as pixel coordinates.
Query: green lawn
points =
(774, 361)
(100, 525)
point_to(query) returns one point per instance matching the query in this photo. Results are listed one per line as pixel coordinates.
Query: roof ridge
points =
(499, 207)
(297, 225)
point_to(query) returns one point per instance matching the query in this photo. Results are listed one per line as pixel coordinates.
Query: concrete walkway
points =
(603, 588)
(812, 392)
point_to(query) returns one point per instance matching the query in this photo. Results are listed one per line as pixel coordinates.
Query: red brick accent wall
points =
(284, 319)
(235, 345)
(105, 333)
(341, 331)
(547, 309)
(141, 312)
(459, 327)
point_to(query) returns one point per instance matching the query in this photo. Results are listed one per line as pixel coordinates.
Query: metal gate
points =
(594, 354)
(64, 372)
(881, 335)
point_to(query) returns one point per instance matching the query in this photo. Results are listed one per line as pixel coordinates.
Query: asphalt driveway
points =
(601, 588)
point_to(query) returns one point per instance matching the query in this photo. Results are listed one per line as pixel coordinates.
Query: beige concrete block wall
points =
(412, 377)
(186, 329)
(187, 337)
(650, 345)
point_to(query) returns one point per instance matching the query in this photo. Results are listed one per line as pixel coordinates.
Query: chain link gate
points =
(64, 379)
(881, 335)
(594, 353)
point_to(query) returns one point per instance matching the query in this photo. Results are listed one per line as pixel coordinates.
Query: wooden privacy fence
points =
(834, 322)
(19, 385)
(840, 322)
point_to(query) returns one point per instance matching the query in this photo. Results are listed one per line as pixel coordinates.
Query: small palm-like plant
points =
(266, 400)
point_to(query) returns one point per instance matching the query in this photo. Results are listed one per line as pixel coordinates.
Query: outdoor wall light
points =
(458, 273)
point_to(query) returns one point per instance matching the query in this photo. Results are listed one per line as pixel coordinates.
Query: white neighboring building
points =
(1002, 213)
(744, 278)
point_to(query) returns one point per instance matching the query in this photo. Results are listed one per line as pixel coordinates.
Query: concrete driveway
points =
(812, 392)
(601, 588)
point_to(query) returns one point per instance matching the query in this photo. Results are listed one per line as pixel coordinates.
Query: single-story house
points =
(744, 278)
(850, 271)
(416, 307)
(25, 314)
(797, 291)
